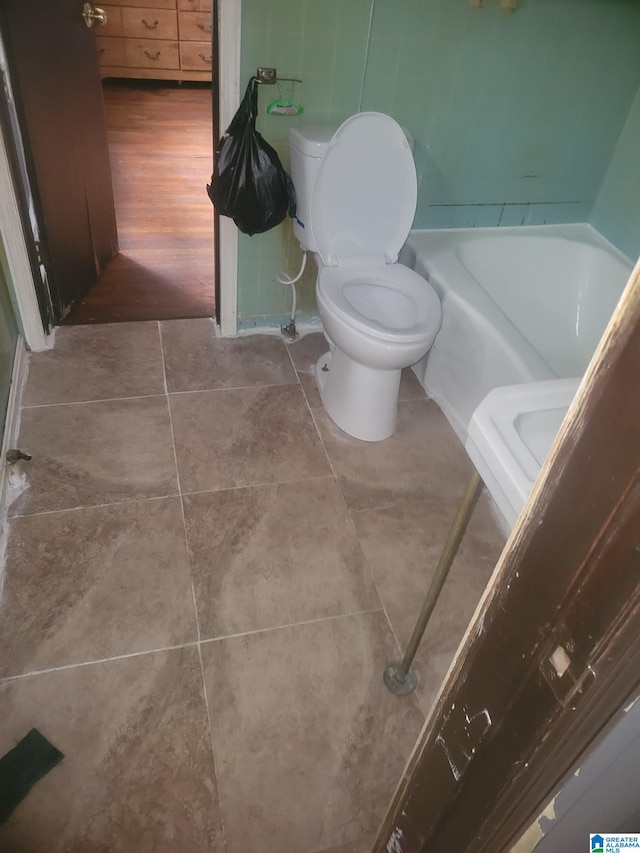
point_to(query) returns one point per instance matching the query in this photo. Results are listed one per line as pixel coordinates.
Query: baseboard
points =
(272, 325)
(12, 424)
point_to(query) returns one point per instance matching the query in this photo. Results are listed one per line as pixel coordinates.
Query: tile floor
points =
(204, 582)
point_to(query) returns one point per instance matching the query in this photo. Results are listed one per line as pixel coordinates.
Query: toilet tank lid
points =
(311, 140)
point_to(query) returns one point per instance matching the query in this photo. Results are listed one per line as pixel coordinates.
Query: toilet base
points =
(361, 400)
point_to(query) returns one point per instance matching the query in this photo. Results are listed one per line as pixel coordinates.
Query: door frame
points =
(230, 43)
(16, 242)
(18, 257)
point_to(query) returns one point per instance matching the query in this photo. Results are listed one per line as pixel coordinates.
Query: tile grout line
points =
(262, 485)
(350, 514)
(193, 594)
(371, 575)
(97, 400)
(165, 393)
(253, 386)
(66, 666)
(349, 511)
(292, 625)
(95, 506)
(288, 348)
(188, 645)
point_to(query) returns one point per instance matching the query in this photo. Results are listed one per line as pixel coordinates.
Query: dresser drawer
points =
(149, 23)
(194, 26)
(111, 51)
(194, 5)
(195, 56)
(150, 53)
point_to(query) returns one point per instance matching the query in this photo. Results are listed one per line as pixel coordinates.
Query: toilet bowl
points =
(356, 194)
(378, 323)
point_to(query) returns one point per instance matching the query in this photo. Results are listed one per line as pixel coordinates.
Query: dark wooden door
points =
(53, 64)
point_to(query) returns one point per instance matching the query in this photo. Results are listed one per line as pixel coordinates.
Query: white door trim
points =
(229, 40)
(12, 483)
(19, 267)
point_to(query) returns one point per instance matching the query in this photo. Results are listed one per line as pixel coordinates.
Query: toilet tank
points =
(307, 147)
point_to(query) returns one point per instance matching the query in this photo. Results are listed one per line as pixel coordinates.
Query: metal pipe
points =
(397, 676)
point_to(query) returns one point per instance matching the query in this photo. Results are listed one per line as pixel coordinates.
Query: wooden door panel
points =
(54, 69)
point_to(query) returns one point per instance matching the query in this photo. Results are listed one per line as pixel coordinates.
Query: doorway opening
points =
(160, 137)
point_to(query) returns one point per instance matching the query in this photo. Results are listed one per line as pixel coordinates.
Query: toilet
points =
(356, 193)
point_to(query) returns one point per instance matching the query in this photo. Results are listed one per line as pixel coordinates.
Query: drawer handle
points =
(151, 25)
(150, 55)
(206, 28)
(206, 59)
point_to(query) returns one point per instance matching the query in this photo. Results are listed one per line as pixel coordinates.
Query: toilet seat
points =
(360, 224)
(353, 216)
(411, 296)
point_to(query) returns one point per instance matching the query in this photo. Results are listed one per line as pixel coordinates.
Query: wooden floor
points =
(160, 142)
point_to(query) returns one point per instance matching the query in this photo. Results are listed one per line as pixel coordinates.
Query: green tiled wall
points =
(617, 211)
(516, 114)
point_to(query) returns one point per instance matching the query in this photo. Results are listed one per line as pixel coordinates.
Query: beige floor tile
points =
(305, 354)
(300, 714)
(85, 454)
(402, 546)
(361, 845)
(306, 351)
(195, 360)
(245, 437)
(423, 459)
(310, 388)
(95, 583)
(273, 555)
(309, 743)
(97, 363)
(138, 771)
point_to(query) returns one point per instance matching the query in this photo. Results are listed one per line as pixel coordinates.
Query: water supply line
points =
(283, 278)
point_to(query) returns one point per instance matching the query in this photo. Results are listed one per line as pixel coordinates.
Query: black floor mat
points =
(22, 767)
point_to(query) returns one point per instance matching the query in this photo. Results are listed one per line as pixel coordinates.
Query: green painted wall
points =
(8, 339)
(617, 210)
(516, 115)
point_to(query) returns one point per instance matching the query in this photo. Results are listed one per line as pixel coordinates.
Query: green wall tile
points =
(516, 115)
(616, 213)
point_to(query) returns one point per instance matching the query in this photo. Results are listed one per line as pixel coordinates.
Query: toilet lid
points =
(364, 197)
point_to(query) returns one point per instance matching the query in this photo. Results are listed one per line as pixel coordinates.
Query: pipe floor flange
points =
(400, 687)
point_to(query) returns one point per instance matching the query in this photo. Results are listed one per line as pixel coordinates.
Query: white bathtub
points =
(519, 305)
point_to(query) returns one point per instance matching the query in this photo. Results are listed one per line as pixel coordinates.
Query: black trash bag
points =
(249, 183)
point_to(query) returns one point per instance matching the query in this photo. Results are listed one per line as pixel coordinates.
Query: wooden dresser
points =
(159, 39)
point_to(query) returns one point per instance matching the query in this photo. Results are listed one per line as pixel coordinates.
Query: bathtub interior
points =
(520, 305)
(559, 293)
